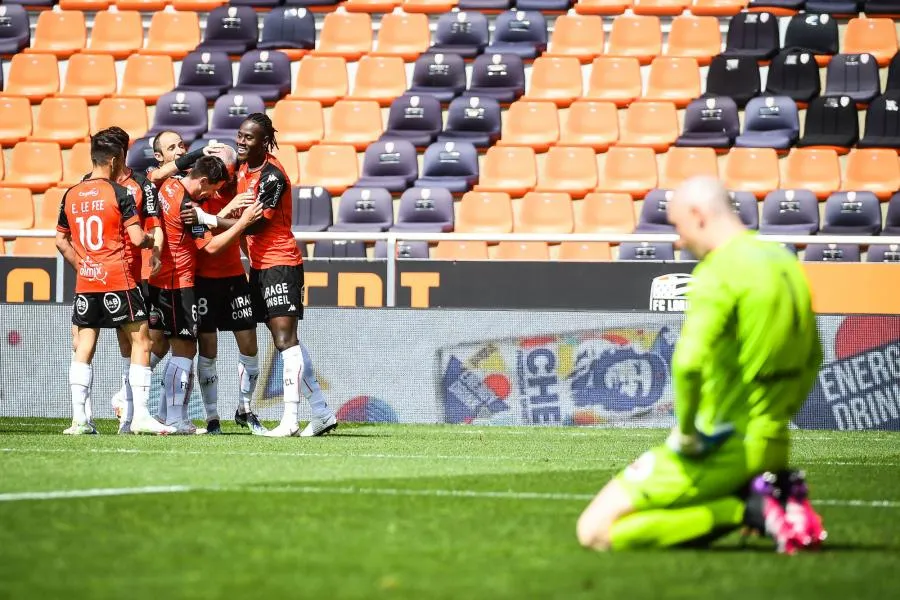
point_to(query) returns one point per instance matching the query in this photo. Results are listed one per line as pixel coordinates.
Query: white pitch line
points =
(94, 493)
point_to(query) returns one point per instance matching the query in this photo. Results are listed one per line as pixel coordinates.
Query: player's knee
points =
(208, 345)
(284, 340)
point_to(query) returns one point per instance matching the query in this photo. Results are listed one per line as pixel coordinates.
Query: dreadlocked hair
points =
(269, 131)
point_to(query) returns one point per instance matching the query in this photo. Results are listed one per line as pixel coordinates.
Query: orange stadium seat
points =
(585, 251)
(569, 169)
(630, 170)
(615, 79)
(606, 212)
(874, 170)
(65, 121)
(321, 78)
(877, 37)
(527, 123)
(511, 169)
(636, 35)
(15, 119)
(334, 167)
(752, 170)
(663, 8)
(16, 208)
(695, 37)
(465, 250)
(523, 251)
(90, 76)
(118, 34)
(813, 169)
(290, 160)
(545, 212)
(148, 6)
(717, 8)
(592, 124)
(602, 7)
(128, 113)
(300, 123)
(484, 212)
(673, 79)
(2, 247)
(32, 246)
(85, 5)
(61, 33)
(32, 76)
(379, 78)
(354, 122)
(650, 124)
(147, 77)
(684, 163)
(34, 165)
(348, 35)
(2, 169)
(429, 7)
(555, 78)
(48, 214)
(76, 164)
(578, 36)
(404, 35)
(173, 33)
(370, 6)
(200, 6)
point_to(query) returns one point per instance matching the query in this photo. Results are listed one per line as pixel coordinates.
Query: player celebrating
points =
(745, 362)
(276, 274)
(171, 291)
(92, 218)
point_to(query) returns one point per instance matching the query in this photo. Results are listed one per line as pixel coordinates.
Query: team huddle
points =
(158, 259)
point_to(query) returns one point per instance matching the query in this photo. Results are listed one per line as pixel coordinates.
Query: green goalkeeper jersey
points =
(749, 350)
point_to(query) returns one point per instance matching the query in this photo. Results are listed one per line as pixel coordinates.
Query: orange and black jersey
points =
(179, 255)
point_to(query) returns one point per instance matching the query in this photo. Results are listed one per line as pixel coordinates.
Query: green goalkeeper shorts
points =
(660, 478)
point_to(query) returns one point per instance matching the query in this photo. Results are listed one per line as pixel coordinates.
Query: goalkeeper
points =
(745, 362)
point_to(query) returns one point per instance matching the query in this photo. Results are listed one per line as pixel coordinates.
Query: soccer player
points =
(276, 274)
(173, 306)
(745, 362)
(93, 216)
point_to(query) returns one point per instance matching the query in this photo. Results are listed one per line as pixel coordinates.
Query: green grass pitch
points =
(399, 512)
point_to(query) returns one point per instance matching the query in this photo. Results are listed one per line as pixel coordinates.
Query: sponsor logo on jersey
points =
(92, 270)
(668, 293)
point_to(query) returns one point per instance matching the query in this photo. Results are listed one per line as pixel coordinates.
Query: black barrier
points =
(28, 279)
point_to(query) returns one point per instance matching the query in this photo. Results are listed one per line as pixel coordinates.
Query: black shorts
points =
(223, 304)
(277, 292)
(108, 310)
(174, 312)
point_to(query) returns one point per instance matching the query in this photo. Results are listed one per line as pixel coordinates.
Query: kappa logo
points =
(184, 332)
(112, 302)
(292, 307)
(81, 305)
(139, 313)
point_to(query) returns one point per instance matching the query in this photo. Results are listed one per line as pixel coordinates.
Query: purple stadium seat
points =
(472, 119)
(450, 165)
(519, 32)
(883, 122)
(854, 75)
(653, 217)
(830, 121)
(753, 35)
(463, 33)
(140, 155)
(230, 111)
(440, 75)
(392, 165)
(184, 112)
(231, 29)
(485, 5)
(647, 251)
(206, 72)
(795, 75)
(339, 249)
(15, 32)
(544, 6)
(882, 7)
(831, 253)
(364, 209)
(33, 3)
(266, 73)
(308, 4)
(290, 28)
(790, 212)
(425, 209)
(207, 139)
(311, 209)
(736, 77)
(746, 207)
(414, 118)
(777, 4)
(892, 218)
(711, 122)
(255, 3)
(884, 253)
(499, 76)
(833, 7)
(405, 250)
(817, 34)
(770, 122)
(852, 213)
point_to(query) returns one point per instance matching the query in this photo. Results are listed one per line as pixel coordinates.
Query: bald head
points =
(702, 214)
(226, 153)
(706, 194)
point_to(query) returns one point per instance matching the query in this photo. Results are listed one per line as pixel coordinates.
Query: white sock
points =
(139, 383)
(248, 375)
(293, 375)
(80, 375)
(154, 360)
(177, 385)
(161, 409)
(311, 388)
(209, 386)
